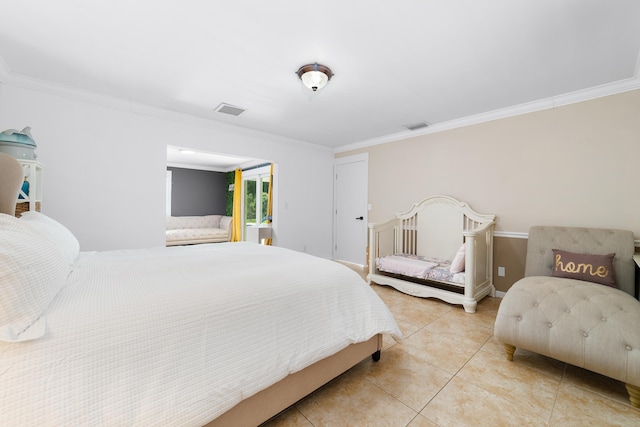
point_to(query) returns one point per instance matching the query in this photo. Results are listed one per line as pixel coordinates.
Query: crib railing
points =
(407, 233)
(408, 236)
(471, 224)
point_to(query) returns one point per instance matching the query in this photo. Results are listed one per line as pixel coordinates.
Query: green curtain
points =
(270, 204)
(236, 230)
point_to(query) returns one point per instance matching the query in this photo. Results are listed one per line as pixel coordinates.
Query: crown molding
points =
(45, 86)
(516, 110)
(31, 83)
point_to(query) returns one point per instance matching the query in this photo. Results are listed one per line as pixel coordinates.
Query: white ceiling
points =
(186, 157)
(395, 63)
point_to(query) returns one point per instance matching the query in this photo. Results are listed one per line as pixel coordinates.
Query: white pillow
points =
(32, 272)
(55, 232)
(457, 265)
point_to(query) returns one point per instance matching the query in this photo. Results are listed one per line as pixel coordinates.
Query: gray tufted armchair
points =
(585, 324)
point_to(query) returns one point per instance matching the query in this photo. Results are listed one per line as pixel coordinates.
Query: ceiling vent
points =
(229, 109)
(416, 126)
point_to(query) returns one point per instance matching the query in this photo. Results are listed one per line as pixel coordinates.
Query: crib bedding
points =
(179, 335)
(420, 267)
(407, 266)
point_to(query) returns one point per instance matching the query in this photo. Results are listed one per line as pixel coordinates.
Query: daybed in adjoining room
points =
(224, 334)
(576, 303)
(192, 230)
(439, 248)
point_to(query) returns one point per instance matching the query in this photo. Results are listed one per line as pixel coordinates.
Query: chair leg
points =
(634, 395)
(510, 350)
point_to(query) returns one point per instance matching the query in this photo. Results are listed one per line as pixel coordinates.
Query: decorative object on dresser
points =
(439, 248)
(576, 304)
(19, 144)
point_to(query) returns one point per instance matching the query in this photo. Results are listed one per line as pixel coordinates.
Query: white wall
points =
(105, 163)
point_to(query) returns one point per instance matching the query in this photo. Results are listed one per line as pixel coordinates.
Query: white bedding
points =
(179, 335)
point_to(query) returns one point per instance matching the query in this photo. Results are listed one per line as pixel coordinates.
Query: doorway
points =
(255, 184)
(255, 199)
(351, 176)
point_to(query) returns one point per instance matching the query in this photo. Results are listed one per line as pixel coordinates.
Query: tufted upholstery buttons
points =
(519, 317)
(585, 334)
(604, 319)
(549, 324)
(628, 348)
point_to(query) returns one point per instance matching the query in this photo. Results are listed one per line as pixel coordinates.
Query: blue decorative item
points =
(19, 144)
(24, 190)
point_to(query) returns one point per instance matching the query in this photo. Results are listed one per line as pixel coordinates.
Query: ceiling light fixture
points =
(314, 76)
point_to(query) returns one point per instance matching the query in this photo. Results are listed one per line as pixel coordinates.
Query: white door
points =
(350, 189)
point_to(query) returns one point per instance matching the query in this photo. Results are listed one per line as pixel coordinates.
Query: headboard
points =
(435, 226)
(598, 241)
(11, 177)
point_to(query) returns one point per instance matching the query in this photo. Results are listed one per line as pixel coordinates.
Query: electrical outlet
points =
(501, 271)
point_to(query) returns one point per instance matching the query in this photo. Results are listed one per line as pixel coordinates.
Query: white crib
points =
(435, 228)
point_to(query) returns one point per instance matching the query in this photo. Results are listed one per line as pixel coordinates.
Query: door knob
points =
(360, 218)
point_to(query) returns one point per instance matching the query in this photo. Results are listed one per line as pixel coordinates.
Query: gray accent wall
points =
(197, 192)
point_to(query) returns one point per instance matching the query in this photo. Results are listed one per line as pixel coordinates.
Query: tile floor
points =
(449, 370)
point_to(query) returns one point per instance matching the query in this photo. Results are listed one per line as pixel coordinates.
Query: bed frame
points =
(436, 227)
(270, 402)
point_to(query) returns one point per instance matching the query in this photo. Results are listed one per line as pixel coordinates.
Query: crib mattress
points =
(420, 267)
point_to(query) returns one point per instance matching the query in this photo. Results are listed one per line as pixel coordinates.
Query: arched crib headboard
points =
(435, 227)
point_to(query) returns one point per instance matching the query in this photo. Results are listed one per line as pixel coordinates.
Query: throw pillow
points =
(457, 265)
(587, 267)
(56, 233)
(32, 272)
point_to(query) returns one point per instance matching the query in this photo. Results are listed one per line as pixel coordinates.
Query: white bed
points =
(168, 336)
